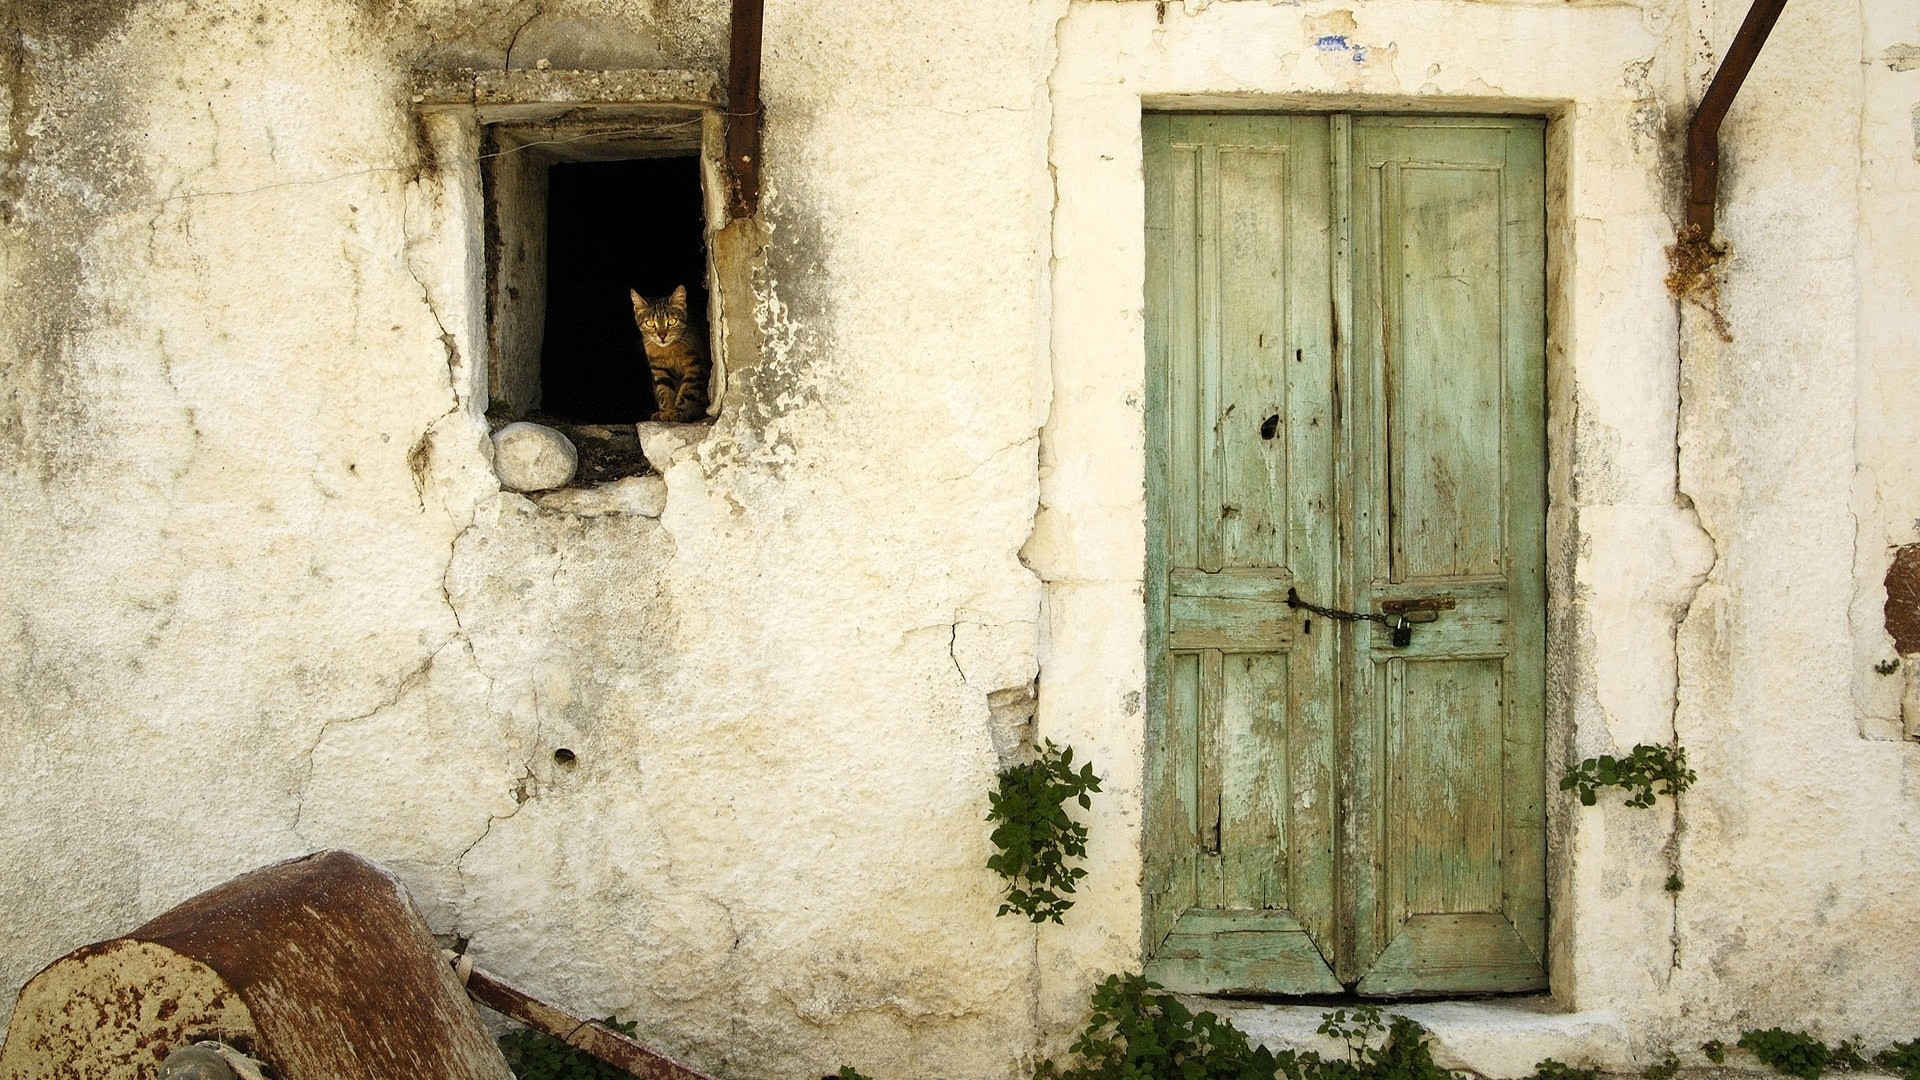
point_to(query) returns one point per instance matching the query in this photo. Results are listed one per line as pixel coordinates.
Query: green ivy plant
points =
(1643, 767)
(1798, 1054)
(1901, 1059)
(1139, 1032)
(1034, 837)
(1554, 1070)
(536, 1055)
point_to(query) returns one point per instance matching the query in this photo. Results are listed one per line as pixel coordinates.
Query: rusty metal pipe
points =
(1703, 134)
(573, 1029)
(743, 106)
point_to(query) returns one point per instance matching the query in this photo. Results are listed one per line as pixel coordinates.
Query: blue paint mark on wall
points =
(1341, 43)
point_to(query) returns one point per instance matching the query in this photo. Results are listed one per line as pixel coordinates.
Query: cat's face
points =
(661, 322)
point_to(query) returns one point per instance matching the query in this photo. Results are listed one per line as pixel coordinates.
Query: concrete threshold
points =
(1497, 1038)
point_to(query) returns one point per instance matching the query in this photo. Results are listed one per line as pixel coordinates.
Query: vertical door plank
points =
(1208, 447)
(1524, 331)
(1180, 278)
(1211, 889)
(1307, 430)
(1363, 683)
(1186, 706)
(1168, 870)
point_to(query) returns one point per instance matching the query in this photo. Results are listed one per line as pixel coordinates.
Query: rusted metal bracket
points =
(1703, 134)
(573, 1029)
(744, 114)
(1424, 609)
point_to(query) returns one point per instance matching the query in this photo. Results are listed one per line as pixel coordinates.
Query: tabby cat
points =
(677, 353)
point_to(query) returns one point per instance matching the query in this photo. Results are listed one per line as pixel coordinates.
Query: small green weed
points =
(1035, 837)
(847, 1072)
(1665, 1069)
(1800, 1055)
(1405, 1055)
(1794, 1053)
(1644, 766)
(536, 1055)
(1357, 1028)
(1715, 1050)
(1553, 1070)
(1901, 1058)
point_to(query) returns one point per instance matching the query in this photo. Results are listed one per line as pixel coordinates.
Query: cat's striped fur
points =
(677, 353)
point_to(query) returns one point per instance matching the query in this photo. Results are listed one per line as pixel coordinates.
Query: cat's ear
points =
(639, 303)
(678, 301)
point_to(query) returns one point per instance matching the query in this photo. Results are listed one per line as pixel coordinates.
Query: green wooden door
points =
(1345, 398)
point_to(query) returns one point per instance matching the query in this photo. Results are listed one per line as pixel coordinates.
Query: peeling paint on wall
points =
(1335, 40)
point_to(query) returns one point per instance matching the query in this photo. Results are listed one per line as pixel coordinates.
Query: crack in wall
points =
(1024, 440)
(1703, 61)
(407, 683)
(521, 798)
(332, 178)
(447, 340)
(506, 58)
(1046, 378)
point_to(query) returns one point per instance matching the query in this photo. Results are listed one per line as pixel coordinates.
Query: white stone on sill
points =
(662, 441)
(532, 457)
(1495, 1037)
(644, 496)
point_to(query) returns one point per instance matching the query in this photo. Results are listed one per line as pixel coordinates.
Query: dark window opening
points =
(614, 226)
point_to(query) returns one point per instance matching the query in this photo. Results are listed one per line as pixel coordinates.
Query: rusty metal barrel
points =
(319, 967)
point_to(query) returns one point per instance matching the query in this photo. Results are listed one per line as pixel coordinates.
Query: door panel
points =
(1446, 450)
(1443, 740)
(1323, 806)
(1441, 281)
(1241, 880)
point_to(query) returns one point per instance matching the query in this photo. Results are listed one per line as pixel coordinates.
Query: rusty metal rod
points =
(583, 1032)
(1703, 134)
(744, 113)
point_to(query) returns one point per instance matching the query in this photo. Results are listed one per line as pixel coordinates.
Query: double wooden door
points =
(1345, 397)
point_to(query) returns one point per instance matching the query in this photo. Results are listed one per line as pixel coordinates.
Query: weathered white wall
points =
(261, 594)
(1887, 439)
(1797, 447)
